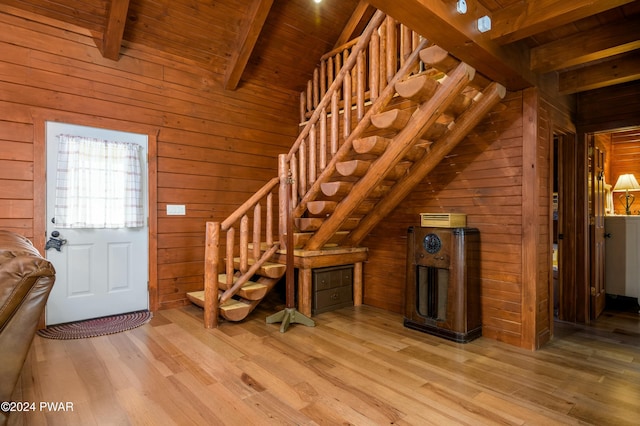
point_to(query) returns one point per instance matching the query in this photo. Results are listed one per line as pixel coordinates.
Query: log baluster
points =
(229, 267)
(283, 175)
(257, 230)
(360, 83)
(374, 66)
(316, 88)
(302, 169)
(323, 139)
(269, 221)
(330, 73)
(294, 192)
(313, 149)
(406, 43)
(354, 78)
(293, 166)
(303, 107)
(416, 38)
(309, 97)
(244, 243)
(335, 123)
(382, 73)
(323, 77)
(392, 49)
(346, 85)
(338, 67)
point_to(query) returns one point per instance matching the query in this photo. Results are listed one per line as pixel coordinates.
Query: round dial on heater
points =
(432, 243)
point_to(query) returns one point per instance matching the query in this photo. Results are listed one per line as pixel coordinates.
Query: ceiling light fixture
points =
(461, 7)
(317, 1)
(484, 24)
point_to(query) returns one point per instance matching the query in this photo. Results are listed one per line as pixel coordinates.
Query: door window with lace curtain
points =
(98, 184)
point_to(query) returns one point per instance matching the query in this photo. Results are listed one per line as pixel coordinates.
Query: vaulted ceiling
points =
(584, 44)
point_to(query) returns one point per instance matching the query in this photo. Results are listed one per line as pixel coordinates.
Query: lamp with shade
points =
(626, 183)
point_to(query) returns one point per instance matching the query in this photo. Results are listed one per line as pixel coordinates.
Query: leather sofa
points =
(26, 279)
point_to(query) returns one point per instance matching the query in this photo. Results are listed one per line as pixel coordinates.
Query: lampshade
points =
(627, 182)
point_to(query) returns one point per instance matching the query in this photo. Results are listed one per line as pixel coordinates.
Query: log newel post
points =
(289, 314)
(211, 303)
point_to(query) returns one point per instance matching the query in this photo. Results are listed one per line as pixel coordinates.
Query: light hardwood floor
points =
(357, 366)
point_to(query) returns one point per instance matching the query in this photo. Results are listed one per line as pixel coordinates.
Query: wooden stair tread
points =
(353, 167)
(321, 207)
(376, 145)
(268, 269)
(418, 88)
(197, 297)
(371, 145)
(336, 188)
(250, 290)
(235, 310)
(395, 119)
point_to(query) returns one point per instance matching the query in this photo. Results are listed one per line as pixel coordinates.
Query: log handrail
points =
(249, 204)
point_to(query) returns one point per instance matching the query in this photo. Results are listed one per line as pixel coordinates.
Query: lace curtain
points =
(99, 184)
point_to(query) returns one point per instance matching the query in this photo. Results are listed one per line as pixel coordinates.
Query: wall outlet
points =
(176, 210)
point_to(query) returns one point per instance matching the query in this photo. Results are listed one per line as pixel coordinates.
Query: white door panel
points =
(99, 272)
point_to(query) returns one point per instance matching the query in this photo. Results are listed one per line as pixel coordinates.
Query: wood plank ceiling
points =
(585, 44)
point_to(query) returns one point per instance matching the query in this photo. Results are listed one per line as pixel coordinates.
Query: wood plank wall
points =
(483, 178)
(214, 148)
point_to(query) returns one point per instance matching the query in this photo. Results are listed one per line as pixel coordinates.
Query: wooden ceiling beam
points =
(526, 18)
(352, 24)
(114, 29)
(604, 42)
(248, 37)
(618, 70)
(458, 34)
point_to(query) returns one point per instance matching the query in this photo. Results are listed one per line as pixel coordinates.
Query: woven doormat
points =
(96, 327)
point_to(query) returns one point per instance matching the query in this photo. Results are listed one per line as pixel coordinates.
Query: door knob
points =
(607, 234)
(55, 242)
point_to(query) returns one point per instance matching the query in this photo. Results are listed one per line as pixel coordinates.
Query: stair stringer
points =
(425, 116)
(491, 96)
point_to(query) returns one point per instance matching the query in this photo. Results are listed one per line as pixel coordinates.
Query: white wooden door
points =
(99, 272)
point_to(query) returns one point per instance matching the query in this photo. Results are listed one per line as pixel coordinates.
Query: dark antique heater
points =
(442, 295)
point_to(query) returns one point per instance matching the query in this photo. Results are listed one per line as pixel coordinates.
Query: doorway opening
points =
(585, 170)
(615, 241)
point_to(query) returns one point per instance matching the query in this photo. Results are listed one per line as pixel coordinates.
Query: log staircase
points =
(413, 103)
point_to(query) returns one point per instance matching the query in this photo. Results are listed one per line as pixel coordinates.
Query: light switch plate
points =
(176, 210)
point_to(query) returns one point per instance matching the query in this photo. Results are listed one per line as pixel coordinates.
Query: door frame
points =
(39, 181)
